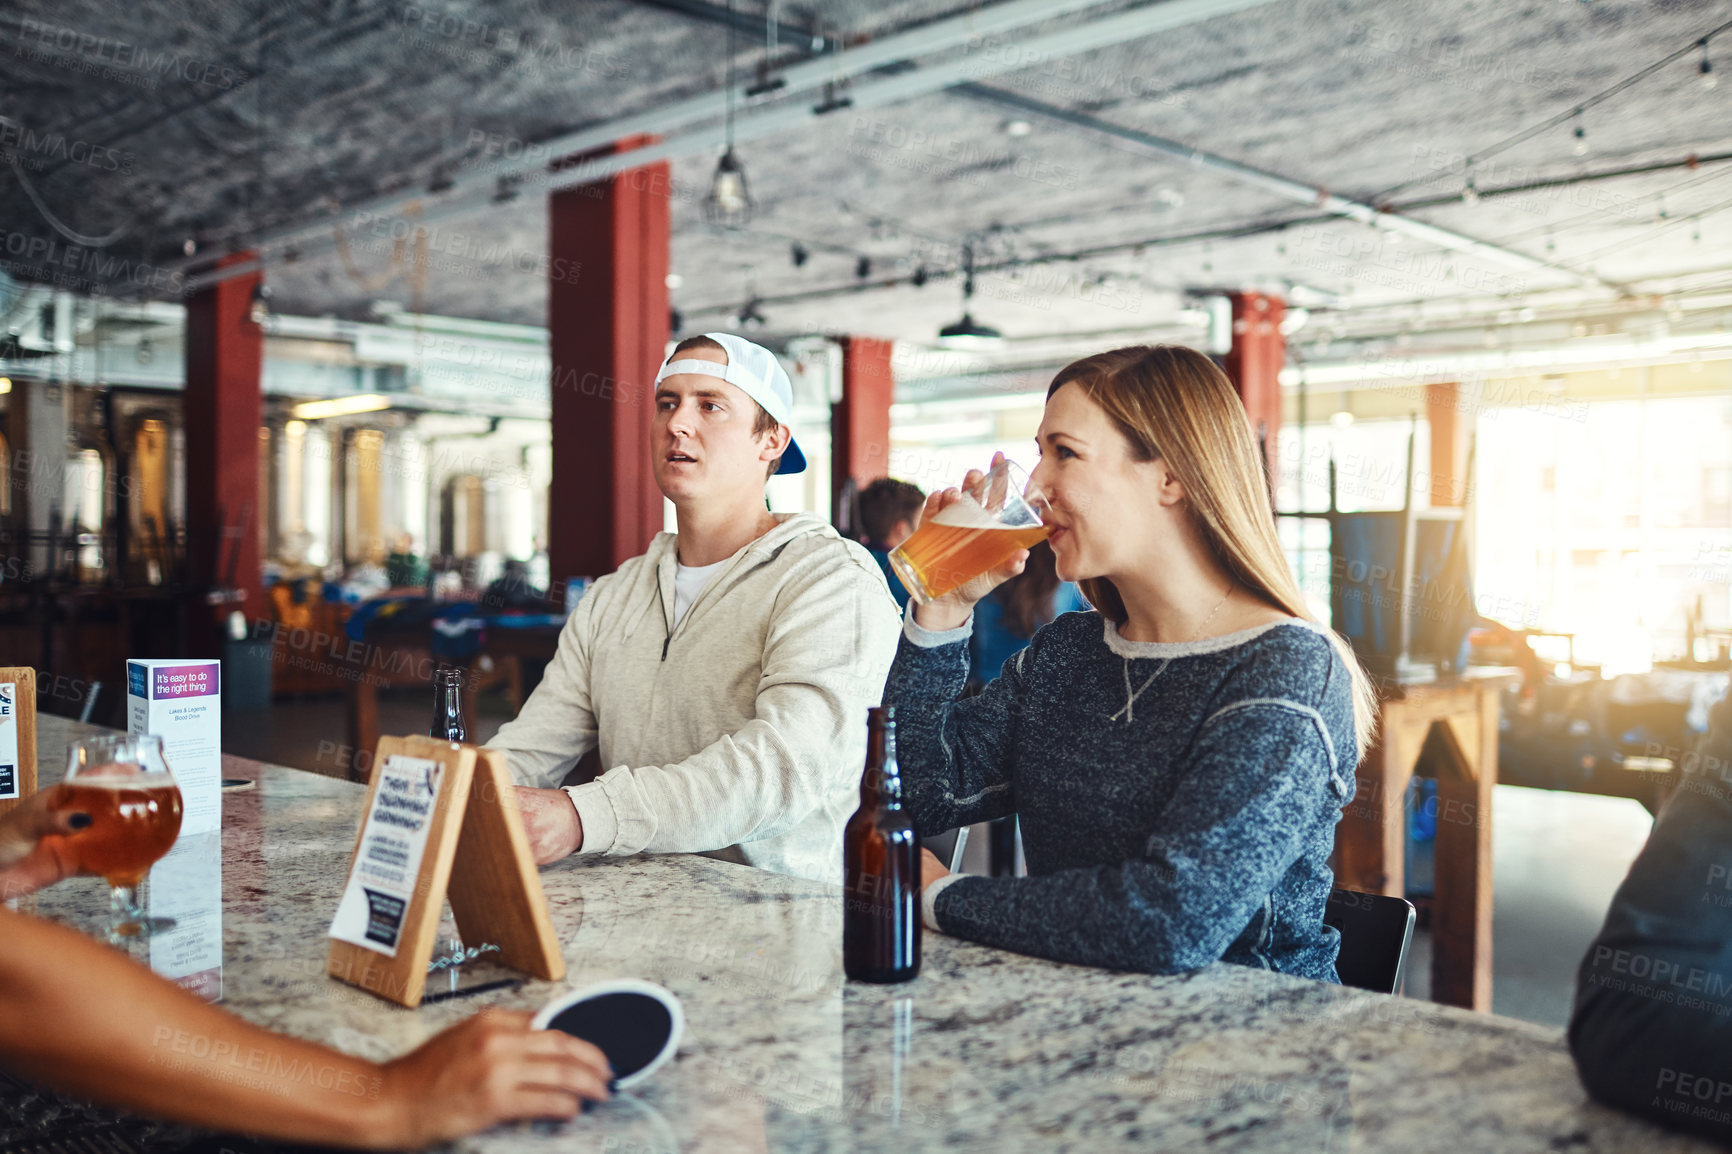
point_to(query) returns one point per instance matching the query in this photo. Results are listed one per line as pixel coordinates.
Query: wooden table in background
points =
(406, 659)
(1446, 730)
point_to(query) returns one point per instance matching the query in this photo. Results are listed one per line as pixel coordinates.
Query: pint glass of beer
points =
(123, 782)
(975, 535)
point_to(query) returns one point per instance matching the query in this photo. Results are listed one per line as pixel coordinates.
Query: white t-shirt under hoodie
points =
(689, 581)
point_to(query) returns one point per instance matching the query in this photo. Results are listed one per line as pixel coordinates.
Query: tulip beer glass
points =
(996, 516)
(125, 785)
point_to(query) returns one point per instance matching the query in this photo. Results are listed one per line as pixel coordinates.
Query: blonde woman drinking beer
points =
(1178, 757)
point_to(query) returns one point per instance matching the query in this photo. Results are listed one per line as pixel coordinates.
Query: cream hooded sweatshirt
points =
(742, 730)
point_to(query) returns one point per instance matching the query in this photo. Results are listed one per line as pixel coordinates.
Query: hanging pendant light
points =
(968, 332)
(729, 203)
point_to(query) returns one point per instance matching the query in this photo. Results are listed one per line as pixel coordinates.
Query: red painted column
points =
(224, 363)
(860, 422)
(1254, 364)
(607, 319)
(1450, 432)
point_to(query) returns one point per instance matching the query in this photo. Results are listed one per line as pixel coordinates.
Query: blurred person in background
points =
(889, 513)
(1006, 619)
(87, 1020)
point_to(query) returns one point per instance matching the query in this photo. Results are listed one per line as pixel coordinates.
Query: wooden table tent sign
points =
(477, 854)
(17, 736)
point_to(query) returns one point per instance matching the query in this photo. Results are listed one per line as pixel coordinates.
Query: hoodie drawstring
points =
(669, 639)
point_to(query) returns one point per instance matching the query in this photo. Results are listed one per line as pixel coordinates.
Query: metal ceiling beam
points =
(746, 22)
(918, 81)
(902, 85)
(903, 48)
(1135, 140)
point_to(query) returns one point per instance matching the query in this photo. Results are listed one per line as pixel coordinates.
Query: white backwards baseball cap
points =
(755, 371)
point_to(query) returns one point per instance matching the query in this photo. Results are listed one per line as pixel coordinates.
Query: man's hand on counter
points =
(550, 818)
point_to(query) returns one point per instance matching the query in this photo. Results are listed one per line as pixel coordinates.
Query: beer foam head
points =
(117, 782)
(965, 514)
(118, 775)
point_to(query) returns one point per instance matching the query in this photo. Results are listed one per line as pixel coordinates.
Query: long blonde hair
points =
(1175, 403)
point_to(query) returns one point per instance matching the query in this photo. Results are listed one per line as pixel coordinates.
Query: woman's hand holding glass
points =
(953, 610)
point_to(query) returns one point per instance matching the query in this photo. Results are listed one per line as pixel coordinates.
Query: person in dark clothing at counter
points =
(1652, 1027)
(1179, 756)
(889, 511)
(86, 1019)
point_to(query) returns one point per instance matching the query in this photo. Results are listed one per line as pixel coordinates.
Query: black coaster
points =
(636, 1024)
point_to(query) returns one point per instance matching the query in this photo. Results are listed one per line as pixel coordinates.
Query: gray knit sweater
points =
(1178, 801)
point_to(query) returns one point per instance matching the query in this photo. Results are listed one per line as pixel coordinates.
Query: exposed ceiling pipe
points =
(940, 36)
(744, 21)
(1134, 140)
(789, 115)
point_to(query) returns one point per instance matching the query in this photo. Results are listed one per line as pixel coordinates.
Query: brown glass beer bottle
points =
(448, 705)
(881, 868)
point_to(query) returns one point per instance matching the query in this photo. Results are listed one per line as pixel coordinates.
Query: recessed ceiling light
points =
(1017, 128)
(675, 280)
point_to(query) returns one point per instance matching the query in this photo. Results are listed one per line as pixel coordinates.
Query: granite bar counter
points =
(986, 1050)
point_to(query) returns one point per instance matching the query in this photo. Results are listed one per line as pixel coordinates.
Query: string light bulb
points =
(1580, 148)
(1705, 70)
(1470, 193)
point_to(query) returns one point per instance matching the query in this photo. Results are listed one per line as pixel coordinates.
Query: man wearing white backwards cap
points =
(724, 676)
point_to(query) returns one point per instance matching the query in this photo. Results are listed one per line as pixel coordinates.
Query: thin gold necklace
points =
(1198, 635)
(1129, 711)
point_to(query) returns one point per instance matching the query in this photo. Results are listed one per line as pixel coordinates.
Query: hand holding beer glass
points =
(124, 784)
(970, 541)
